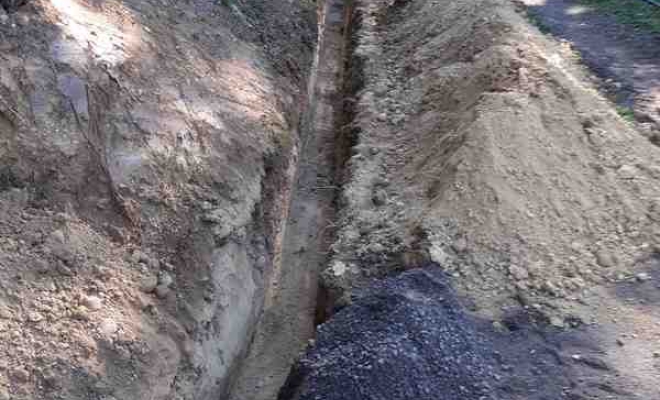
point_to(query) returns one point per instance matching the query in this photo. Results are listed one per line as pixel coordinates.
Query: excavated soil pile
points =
(481, 147)
(146, 152)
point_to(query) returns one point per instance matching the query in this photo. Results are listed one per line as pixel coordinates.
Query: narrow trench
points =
(294, 304)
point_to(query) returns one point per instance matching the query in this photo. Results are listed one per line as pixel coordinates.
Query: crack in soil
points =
(292, 297)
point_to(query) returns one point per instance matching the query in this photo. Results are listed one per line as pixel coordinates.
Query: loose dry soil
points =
(483, 146)
(146, 155)
(157, 216)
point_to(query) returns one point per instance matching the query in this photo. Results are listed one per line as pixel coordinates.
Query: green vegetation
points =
(631, 12)
(626, 113)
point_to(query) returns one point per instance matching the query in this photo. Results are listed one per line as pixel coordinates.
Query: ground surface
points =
(484, 146)
(145, 165)
(624, 57)
(149, 214)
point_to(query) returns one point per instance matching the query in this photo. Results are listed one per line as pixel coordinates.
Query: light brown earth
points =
(159, 212)
(146, 154)
(482, 146)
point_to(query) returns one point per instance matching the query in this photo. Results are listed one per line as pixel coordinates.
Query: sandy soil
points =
(483, 145)
(145, 158)
(289, 317)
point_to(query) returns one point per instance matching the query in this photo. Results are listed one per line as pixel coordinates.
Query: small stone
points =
(165, 279)
(460, 245)
(338, 268)
(20, 374)
(628, 172)
(108, 327)
(620, 342)
(216, 216)
(557, 322)
(58, 236)
(643, 277)
(23, 19)
(376, 248)
(605, 259)
(162, 291)
(499, 326)
(34, 316)
(5, 313)
(148, 284)
(438, 255)
(550, 288)
(383, 182)
(41, 266)
(92, 302)
(379, 198)
(221, 232)
(518, 273)
(656, 354)
(80, 313)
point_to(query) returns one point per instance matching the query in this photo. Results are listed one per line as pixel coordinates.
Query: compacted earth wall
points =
(147, 150)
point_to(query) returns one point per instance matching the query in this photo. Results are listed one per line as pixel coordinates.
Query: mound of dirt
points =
(145, 162)
(481, 147)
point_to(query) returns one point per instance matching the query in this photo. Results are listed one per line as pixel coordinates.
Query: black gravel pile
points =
(404, 338)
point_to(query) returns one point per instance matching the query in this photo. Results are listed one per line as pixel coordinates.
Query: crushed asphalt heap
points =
(367, 199)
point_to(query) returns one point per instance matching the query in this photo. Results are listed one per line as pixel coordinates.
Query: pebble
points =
(92, 302)
(643, 277)
(620, 342)
(165, 279)
(20, 374)
(138, 256)
(605, 259)
(162, 291)
(656, 354)
(379, 198)
(108, 327)
(5, 313)
(438, 255)
(58, 236)
(628, 172)
(376, 248)
(34, 316)
(80, 313)
(460, 245)
(148, 284)
(41, 266)
(557, 322)
(518, 273)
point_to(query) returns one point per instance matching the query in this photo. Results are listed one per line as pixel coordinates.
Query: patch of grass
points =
(538, 22)
(626, 113)
(630, 12)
